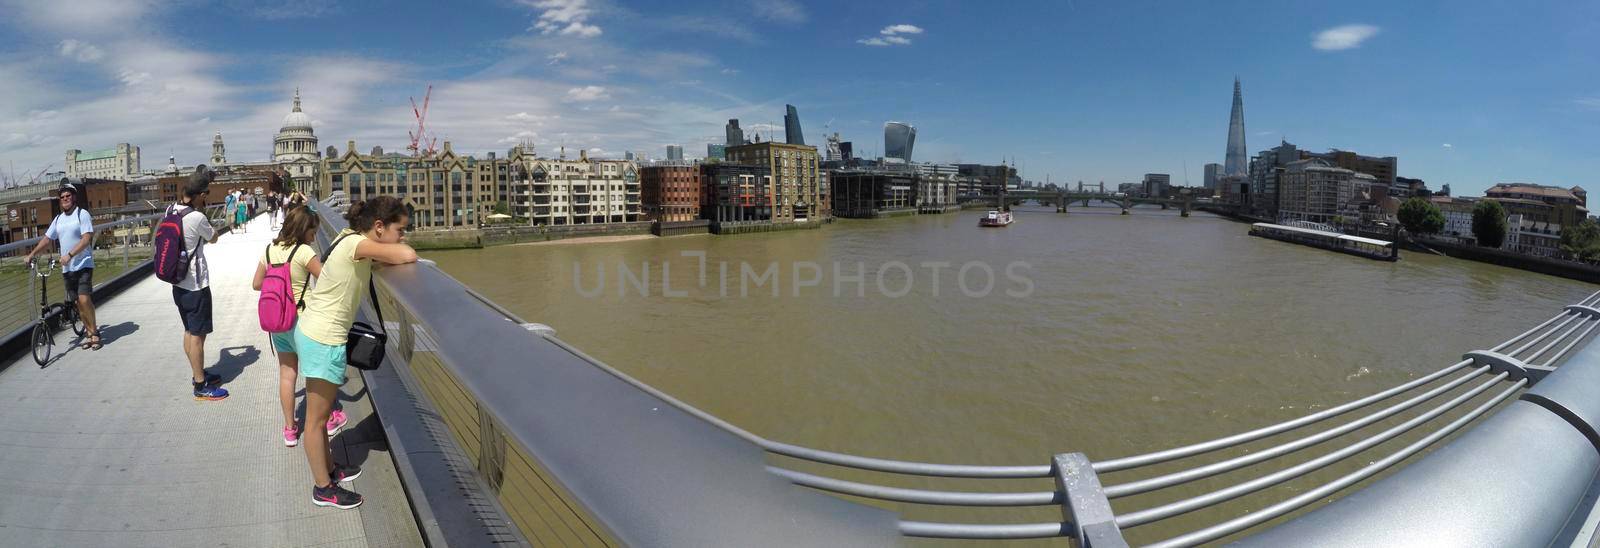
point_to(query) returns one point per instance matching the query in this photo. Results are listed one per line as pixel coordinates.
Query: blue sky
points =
(1467, 93)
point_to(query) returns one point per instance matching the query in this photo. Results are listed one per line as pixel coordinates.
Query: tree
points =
(1420, 216)
(1489, 223)
(1582, 240)
(501, 208)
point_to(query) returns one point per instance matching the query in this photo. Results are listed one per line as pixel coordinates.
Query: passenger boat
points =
(996, 218)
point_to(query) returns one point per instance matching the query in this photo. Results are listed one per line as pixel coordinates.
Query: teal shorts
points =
(283, 342)
(319, 361)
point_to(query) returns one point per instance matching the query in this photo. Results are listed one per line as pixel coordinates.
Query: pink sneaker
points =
(291, 436)
(336, 421)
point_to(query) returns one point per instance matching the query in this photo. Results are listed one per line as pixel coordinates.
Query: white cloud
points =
(730, 71)
(83, 52)
(519, 137)
(1588, 103)
(892, 35)
(587, 93)
(1343, 37)
(1448, 145)
(783, 11)
(84, 16)
(556, 57)
(902, 28)
(564, 17)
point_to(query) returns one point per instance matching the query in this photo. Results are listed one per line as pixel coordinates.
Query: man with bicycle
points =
(74, 229)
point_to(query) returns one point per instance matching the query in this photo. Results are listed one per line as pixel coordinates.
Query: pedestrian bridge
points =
(484, 429)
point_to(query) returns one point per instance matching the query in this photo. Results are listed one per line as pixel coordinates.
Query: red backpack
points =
(171, 257)
(277, 307)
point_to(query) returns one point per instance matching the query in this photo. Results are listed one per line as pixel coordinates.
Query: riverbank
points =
(588, 240)
(1571, 270)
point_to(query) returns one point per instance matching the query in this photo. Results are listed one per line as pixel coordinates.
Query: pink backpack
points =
(277, 307)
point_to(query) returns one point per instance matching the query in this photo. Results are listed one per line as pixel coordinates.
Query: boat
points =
(996, 218)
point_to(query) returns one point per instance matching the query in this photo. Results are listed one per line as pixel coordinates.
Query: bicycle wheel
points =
(78, 327)
(42, 343)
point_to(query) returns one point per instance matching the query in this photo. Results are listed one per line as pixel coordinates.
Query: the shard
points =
(1237, 161)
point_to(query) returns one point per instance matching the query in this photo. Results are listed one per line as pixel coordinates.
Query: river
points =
(1111, 335)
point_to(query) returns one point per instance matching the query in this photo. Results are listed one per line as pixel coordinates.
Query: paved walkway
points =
(109, 448)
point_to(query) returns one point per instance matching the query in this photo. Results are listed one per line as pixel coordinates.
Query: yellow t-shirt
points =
(299, 270)
(331, 306)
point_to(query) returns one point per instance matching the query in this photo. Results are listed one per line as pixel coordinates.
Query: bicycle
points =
(44, 332)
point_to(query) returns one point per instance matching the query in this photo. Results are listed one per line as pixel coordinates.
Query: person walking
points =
(241, 214)
(374, 238)
(192, 294)
(74, 229)
(294, 246)
(230, 205)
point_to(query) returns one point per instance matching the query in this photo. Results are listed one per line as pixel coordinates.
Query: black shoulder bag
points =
(363, 347)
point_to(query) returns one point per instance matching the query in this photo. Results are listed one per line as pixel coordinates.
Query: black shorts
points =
(195, 309)
(79, 282)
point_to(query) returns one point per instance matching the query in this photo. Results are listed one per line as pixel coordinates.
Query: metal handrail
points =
(918, 496)
(1178, 478)
(1265, 514)
(1134, 519)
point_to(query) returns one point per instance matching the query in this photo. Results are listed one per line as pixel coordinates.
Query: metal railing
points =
(1080, 493)
(120, 246)
(523, 391)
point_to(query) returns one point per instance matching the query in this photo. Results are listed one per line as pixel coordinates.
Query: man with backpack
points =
(181, 261)
(74, 228)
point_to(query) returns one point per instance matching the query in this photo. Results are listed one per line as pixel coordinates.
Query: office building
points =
(797, 189)
(1156, 185)
(716, 152)
(791, 126)
(120, 162)
(1542, 204)
(1314, 190)
(674, 153)
(735, 193)
(1235, 161)
(735, 135)
(898, 141)
(990, 178)
(670, 193)
(1213, 172)
(866, 194)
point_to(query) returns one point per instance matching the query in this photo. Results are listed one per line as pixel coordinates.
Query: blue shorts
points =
(283, 342)
(319, 361)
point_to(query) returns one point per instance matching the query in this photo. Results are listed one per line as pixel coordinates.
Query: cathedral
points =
(294, 149)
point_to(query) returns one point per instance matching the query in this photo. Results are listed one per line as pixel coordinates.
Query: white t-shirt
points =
(196, 228)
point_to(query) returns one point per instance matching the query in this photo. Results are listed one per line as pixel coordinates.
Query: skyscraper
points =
(735, 135)
(898, 140)
(1213, 171)
(674, 153)
(791, 127)
(1237, 161)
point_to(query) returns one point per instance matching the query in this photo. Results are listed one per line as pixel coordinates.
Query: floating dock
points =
(1334, 241)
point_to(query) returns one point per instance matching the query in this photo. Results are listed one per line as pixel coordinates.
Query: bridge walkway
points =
(109, 448)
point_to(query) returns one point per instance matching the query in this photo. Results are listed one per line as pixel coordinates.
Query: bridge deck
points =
(109, 448)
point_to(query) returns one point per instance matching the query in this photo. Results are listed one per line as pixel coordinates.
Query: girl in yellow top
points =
(296, 245)
(376, 228)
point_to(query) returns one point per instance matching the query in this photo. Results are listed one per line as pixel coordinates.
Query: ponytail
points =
(362, 214)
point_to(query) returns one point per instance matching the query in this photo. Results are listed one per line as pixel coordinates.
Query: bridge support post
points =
(1084, 504)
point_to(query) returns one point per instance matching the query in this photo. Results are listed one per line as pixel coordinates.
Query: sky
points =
(1465, 93)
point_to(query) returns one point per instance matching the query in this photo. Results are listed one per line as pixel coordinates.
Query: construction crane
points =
(421, 143)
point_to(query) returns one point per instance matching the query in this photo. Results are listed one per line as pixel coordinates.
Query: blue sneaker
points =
(209, 393)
